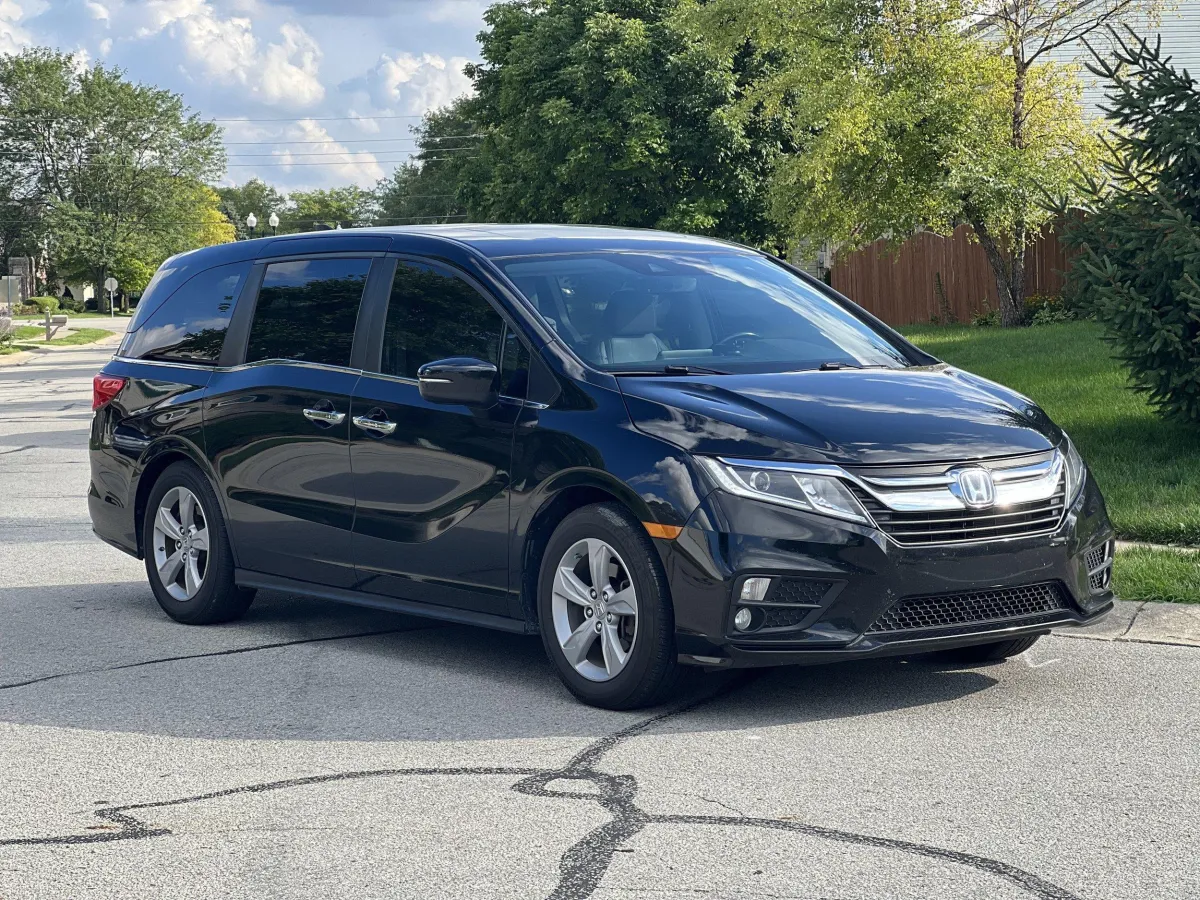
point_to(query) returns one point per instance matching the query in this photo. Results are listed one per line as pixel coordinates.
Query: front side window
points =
(190, 325)
(434, 314)
(307, 310)
(728, 310)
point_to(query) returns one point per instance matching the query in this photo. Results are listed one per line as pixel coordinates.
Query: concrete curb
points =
(1143, 622)
(1144, 545)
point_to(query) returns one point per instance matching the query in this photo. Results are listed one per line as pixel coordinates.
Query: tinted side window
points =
(514, 368)
(307, 310)
(190, 326)
(434, 314)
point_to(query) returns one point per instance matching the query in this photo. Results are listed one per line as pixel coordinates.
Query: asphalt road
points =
(319, 751)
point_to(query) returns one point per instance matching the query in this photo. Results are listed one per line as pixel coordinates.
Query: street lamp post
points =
(252, 223)
(273, 221)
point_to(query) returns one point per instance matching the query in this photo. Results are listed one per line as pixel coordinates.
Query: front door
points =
(277, 427)
(432, 481)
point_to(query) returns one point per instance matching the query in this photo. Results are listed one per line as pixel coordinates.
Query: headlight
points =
(822, 494)
(1076, 472)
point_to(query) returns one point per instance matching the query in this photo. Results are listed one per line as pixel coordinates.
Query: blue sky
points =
(311, 93)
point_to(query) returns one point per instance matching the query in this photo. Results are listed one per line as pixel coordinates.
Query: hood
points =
(852, 416)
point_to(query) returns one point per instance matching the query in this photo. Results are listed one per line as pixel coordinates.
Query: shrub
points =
(6, 331)
(985, 317)
(1044, 309)
(44, 303)
(67, 304)
(1138, 267)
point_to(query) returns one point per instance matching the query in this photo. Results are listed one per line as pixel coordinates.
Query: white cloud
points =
(81, 61)
(289, 75)
(105, 46)
(228, 52)
(305, 151)
(98, 10)
(417, 84)
(360, 167)
(13, 38)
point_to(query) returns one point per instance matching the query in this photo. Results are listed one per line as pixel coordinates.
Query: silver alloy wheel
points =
(595, 609)
(181, 543)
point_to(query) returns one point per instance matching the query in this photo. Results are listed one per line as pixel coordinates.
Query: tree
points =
(915, 114)
(119, 166)
(346, 207)
(444, 181)
(255, 196)
(605, 111)
(1138, 243)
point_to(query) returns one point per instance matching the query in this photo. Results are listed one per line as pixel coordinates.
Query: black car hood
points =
(869, 416)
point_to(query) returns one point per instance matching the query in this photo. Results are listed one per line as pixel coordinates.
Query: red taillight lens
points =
(104, 388)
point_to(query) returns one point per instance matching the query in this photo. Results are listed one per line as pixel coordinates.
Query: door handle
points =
(324, 416)
(366, 423)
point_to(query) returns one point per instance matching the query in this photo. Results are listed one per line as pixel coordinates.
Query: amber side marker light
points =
(667, 532)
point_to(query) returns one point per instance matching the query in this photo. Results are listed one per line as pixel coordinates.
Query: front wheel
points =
(605, 611)
(188, 558)
(986, 653)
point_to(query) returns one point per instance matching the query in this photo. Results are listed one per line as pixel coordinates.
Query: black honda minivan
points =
(654, 450)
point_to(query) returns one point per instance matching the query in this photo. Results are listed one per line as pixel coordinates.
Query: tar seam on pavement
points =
(583, 865)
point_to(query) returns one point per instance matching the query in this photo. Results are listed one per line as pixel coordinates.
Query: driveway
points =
(319, 751)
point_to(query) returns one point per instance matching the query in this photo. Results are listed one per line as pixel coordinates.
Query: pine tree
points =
(1138, 267)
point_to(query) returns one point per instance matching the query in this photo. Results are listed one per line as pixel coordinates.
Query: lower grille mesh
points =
(945, 610)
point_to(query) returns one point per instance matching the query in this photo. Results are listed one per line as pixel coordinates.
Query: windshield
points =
(726, 311)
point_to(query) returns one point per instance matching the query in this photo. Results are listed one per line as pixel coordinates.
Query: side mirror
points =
(459, 381)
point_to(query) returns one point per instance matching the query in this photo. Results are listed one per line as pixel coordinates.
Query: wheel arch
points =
(558, 498)
(157, 458)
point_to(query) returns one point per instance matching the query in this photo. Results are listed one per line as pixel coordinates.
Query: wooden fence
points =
(902, 288)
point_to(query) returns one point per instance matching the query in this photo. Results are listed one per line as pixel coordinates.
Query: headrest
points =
(630, 312)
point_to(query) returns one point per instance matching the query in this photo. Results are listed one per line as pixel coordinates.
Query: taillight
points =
(104, 388)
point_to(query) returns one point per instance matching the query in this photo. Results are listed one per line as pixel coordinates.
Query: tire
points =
(213, 597)
(650, 668)
(988, 653)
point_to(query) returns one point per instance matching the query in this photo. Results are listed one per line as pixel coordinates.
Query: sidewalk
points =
(1143, 622)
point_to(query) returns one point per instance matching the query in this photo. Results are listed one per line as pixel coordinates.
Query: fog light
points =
(754, 589)
(742, 620)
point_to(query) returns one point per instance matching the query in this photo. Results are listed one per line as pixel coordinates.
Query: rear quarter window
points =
(190, 325)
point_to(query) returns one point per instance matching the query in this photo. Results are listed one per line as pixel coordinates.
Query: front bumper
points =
(859, 573)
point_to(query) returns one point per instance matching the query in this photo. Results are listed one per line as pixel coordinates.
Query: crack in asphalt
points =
(584, 864)
(233, 651)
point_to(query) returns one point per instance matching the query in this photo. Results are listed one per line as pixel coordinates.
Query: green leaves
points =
(1138, 269)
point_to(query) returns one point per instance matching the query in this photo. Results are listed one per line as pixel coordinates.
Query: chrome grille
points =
(977, 607)
(963, 525)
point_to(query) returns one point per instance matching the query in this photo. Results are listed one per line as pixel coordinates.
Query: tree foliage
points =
(604, 111)
(1138, 269)
(255, 197)
(914, 114)
(118, 168)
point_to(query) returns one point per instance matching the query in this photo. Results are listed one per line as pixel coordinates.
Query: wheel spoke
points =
(576, 647)
(615, 656)
(599, 557)
(200, 540)
(187, 510)
(191, 576)
(568, 586)
(166, 523)
(622, 603)
(169, 570)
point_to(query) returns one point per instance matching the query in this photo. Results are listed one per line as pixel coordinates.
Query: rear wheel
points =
(188, 558)
(986, 653)
(605, 611)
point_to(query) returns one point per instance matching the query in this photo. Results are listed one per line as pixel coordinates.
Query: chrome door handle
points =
(324, 416)
(366, 423)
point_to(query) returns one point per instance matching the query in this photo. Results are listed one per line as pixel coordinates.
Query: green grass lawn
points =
(79, 336)
(1148, 468)
(75, 315)
(1171, 576)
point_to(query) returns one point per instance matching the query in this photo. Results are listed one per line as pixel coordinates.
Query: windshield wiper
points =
(834, 366)
(671, 370)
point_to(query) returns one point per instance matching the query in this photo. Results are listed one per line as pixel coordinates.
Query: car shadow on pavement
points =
(103, 657)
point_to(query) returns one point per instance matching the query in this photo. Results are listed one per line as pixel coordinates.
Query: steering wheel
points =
(736, 341)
